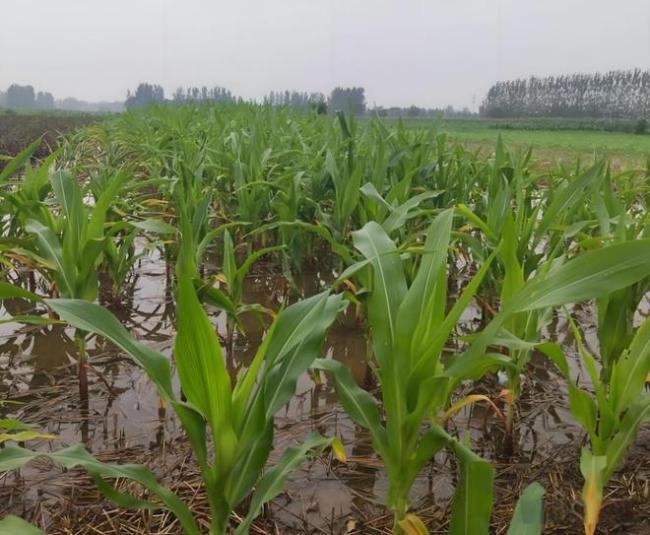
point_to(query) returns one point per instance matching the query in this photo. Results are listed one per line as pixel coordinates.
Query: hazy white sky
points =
(427, 52)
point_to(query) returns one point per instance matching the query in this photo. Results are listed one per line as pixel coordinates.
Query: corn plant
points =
(120, 257)
(529, 235)
(68, 246)
(618, 222)
(346, 177)
(611, 415)
(237, 416)
(233, 276)
(409, 327)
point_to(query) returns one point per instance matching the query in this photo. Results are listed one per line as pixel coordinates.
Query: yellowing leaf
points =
(591, 467)
(469, 400)
(338, 450)
(412, 525)
(593, 498)
(24, 436)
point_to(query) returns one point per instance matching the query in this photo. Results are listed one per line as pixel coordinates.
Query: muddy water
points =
(37, 368)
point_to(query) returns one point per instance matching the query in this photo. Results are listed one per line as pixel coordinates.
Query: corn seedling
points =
(409, 327)
(611, 416)
(238, 417)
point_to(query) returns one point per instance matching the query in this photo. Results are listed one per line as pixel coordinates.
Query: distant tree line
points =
(615, 94)
(414, 112)
(297, 99)
(203, 94)
(347, 99)
(341, 98)
(147, 93)
(25, 97)
(144, 94)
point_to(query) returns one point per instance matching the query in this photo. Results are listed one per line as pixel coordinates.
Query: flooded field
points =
(242, 319)
(125, 420)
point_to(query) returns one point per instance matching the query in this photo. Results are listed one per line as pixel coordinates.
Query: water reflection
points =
(124, 410)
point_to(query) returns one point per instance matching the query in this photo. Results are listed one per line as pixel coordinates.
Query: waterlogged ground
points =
(125, 422)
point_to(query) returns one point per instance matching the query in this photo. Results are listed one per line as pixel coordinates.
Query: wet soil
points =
(124, 422)
(17, 131)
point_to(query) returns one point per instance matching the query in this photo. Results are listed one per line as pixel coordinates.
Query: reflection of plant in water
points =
(16, 430)
(237, 415)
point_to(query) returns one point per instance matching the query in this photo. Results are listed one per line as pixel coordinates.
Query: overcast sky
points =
(426, 52)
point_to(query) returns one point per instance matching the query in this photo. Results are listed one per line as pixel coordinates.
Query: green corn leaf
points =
(358, 403)
(155, 226)
(211, 235)
(389, 287)
(11, 424)
(13, 457)
(441, 334)
(24, 436)
(94, 229)
(472, 505)
(242, 393)
(475, 220)
(528, 518)
(94, 318)
(399, 215)
(202, 370)
(514, 273)
(255, 445)
(10, 291)
(68, 193)
(229, 261)
(321, 231)
(590, 275)
(423, 307)
(274, 481)
(19, 160)
(246, 265)
(370, 191)
(12, 525)
(50, 248)
(212, 296)
(567, 198)
(631, 370)
(296, 344)
(430, 443)
(637, 413)
(28, 319)
(593, 274)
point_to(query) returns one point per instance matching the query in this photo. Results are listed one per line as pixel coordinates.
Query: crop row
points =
(401, 218)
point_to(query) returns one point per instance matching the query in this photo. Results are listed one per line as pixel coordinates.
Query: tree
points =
(145, 94)
(20, 96)
(615, 94)
(44, 101)
(178, 95)
(348, 99)
(414, 111)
